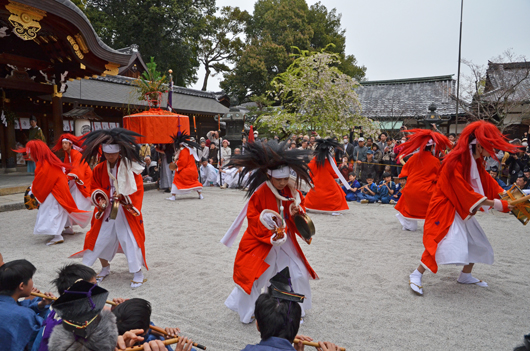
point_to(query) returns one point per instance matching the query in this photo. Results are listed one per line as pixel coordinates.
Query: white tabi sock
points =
(467, 278)
(415, 282)
(57, 239)
(138, 279)
(172, 198)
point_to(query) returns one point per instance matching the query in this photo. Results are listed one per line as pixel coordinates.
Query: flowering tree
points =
(316, 95)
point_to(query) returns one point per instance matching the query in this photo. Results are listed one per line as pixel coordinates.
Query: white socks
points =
(172, 198)
(467, 278)
(138, 279)
(200, 195)
(415, 282)
(68, 230)
(57, 239)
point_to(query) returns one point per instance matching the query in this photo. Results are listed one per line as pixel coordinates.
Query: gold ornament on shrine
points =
(25, 20)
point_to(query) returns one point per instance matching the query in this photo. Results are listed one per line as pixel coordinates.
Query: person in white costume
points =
(117, 193)
(269, 243)
(208, 173)
(50, 188)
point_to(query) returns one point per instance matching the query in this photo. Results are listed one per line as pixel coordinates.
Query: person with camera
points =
(359, 155)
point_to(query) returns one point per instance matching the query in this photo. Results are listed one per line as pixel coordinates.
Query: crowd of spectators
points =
(370, 160)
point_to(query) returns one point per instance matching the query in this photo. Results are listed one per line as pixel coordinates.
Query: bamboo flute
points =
(54, 298)
(163, 332)
(314, 344)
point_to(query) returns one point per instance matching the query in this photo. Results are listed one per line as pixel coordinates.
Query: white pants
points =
(115, 234)
(465, 243)
(82, 202)
(51, 217)
(278, 258)
(408, 223)
(176, 191)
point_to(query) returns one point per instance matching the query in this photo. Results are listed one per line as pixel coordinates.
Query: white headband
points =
(431, 142)
(68, 140)
(110, 148)
(473, 142)
(282, 172)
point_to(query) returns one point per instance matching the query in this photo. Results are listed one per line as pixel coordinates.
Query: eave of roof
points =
(409, 80)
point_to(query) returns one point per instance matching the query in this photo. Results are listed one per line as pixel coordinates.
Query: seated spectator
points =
(136, 314)
(494, 173)
(278, 316)
(368, 167)
(351, 194)
(19, 321)
(293, 146)
(85, 325)
(521, 181)
(150, 172)
(208, 173)
(345, 168)
(386, 189)
(66, 277)
(237, 151)
(399, 188)
(369, 192)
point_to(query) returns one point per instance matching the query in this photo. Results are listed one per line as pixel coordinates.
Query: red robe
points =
(101, 181)
(51, 180)
(452, 194)
(81, 169)
(186, 175)
(421, 171)
(255, 244)
(327, 195)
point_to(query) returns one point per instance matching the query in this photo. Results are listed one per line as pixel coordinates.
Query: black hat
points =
(80, 305)
(494, 169)
(520, 174)
(386, 174)
(33, 118)
(280, 287)
(526, 169)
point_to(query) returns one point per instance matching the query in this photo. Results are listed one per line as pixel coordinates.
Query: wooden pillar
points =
(57, 114)
(11, 165)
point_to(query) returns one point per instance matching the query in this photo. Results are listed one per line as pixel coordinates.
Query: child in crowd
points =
(399, 187)
(19, 321)
(386, 189)
(369, 193)
(136, 314)
(351, 194)
(278, 315)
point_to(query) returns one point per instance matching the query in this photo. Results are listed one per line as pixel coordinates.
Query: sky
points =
(398, 39)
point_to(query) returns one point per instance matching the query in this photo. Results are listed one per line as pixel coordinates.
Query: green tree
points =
(274, 28)
(165, 29)
(316, 95)
(221, 43)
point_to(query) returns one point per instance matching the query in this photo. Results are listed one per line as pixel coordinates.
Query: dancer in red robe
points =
(78, 172)
(421, 172)
(186, 177)
(117, 180)
(326, 195)
(451, 234)
(50, 188)
(269, 243)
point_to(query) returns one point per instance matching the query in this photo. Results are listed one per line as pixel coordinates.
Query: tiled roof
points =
(405, 98)
(119, 91)
(501, 77)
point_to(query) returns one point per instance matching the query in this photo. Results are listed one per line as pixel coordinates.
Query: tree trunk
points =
(206, 76)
